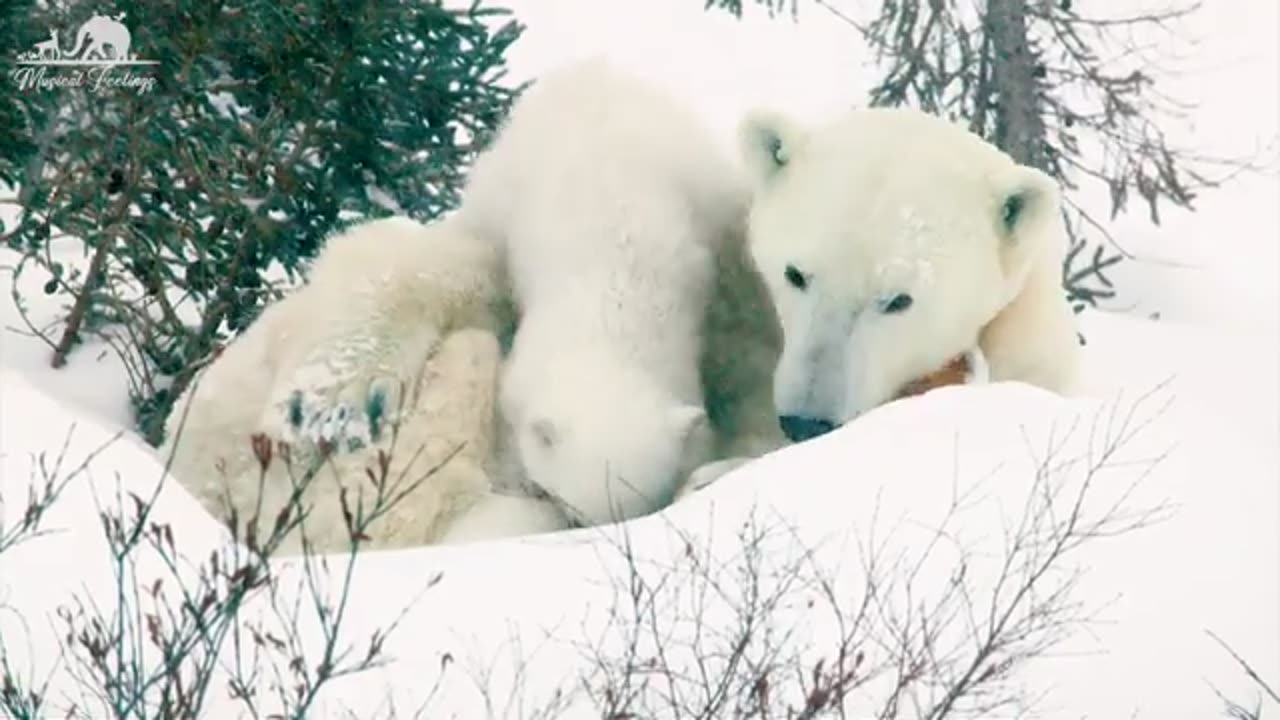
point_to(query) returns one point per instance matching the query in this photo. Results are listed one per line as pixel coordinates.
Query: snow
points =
(887, 481)
(93, 378)
(1211, 565)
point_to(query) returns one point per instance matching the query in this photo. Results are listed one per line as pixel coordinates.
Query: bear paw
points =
(496, 516)
(346, 416)
(709, 473)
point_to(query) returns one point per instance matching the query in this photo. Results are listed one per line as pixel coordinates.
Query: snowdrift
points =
(890, 561)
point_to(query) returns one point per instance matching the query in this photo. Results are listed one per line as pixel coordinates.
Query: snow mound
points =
(901, 535)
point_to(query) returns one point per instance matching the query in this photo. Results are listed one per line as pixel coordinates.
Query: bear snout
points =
(798, 428)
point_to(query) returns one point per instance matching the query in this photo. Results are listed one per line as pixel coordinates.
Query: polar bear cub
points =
(610, 201)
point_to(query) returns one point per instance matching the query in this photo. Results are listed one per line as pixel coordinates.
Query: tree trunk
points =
(79, 310)
(1019, 127)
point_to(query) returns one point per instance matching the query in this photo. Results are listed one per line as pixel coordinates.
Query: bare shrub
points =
(176, 628)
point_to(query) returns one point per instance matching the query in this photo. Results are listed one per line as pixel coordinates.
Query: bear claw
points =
(347, 417)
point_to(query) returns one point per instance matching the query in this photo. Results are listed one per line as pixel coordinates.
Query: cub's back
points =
(596, 168)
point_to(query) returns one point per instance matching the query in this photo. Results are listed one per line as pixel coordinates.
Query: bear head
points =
(888, 239)
(603, 440)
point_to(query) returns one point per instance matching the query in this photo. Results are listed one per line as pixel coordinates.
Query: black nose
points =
(799, 429)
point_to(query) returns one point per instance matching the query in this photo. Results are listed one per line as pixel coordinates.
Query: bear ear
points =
(767, 140)
(1027, 209)
(544, 432)
(1027, 197)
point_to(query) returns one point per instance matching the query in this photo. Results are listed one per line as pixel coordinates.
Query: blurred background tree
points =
(1067, 93)
(200, 184)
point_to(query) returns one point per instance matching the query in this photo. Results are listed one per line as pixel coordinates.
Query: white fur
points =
(395, 314)
(882, 202)
(612, 204)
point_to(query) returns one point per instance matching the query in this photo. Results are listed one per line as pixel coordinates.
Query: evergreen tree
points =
(17, 35)
(197, 182)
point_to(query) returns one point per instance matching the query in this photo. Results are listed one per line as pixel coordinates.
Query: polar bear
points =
(891, 241)
(390, 347)
(610, 203)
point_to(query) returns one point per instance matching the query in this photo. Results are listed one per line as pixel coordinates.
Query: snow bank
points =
(916, 500)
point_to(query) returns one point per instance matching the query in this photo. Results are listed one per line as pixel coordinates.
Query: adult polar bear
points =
(891, 241)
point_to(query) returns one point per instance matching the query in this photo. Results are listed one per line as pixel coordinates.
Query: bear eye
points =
(795, 278)
(896, 304)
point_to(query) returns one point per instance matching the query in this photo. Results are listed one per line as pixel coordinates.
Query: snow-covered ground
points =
(1213, 277)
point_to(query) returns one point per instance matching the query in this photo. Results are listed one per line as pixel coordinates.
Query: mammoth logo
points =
(99, 59)
(100, 40)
